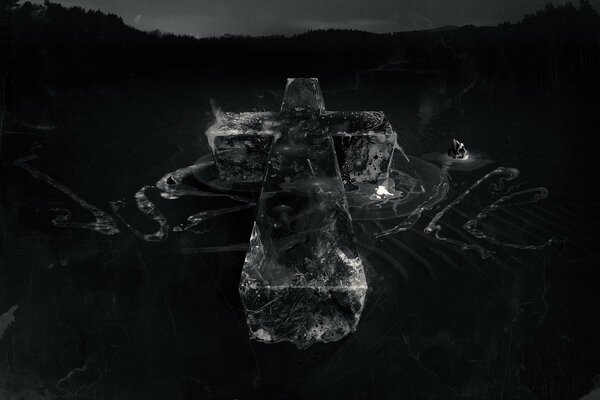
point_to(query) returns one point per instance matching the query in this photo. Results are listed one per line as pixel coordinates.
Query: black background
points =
(109, 110)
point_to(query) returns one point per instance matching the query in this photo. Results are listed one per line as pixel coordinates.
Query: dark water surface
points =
(110, 315)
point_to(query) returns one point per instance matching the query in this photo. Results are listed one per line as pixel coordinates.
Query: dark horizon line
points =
(292, 35)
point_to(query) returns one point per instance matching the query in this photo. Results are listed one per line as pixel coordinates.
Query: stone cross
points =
(303, 280)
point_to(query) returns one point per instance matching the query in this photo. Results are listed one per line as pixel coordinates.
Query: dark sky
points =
(262, 17)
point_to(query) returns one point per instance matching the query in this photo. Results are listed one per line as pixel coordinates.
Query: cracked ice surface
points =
(303, 280)
(241, 144)
(364, 143)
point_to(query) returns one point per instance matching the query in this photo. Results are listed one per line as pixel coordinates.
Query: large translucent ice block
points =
(302, 280)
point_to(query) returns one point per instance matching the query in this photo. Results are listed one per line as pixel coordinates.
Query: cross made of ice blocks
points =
(303, 280)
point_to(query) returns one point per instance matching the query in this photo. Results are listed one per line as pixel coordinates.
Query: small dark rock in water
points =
(457, 150)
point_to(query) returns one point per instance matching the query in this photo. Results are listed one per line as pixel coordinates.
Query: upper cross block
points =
(241, 142)
(303, 94)
(364, 144)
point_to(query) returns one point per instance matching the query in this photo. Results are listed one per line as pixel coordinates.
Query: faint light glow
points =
(381, 192)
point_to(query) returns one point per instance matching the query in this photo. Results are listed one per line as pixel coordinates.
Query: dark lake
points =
(114, 316)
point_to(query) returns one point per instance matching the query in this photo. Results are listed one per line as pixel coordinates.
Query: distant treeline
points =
(51, 44)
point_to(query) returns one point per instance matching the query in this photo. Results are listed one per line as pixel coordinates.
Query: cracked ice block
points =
(303, 280)
(303, 94)
(241, 143)
(364, 143)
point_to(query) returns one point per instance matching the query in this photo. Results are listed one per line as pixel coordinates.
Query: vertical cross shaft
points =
(302, 279)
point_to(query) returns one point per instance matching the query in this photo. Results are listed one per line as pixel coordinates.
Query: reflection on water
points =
(405, 193)
(147, 207)
(471, 226)
(438, 321)
(438, 188)
(104, 223)
(475, 160)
